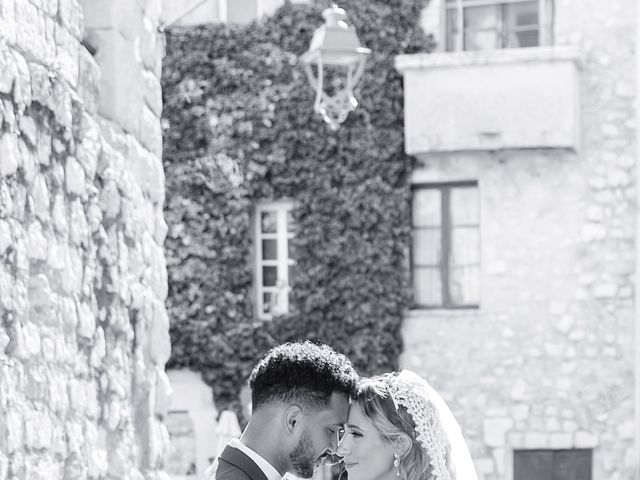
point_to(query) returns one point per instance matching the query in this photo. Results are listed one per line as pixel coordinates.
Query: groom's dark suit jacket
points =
(235, 465)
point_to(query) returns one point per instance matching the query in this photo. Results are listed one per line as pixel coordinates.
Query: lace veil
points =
(437, 430)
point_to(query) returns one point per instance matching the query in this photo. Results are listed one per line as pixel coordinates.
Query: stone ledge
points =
(490, 57)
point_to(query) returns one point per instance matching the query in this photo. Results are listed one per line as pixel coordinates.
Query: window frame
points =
(282, 262)
(445, 244)
(545, 22)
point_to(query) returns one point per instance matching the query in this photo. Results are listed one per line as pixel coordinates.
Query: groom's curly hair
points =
(303, 372)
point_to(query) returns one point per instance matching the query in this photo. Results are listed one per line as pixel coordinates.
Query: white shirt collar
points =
(268, 469)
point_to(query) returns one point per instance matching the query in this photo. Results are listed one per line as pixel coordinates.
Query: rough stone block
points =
(146, 169)
(78, 228)
(536, 440)
(32, 340)
(121, 79)
(59, 215)
(5, 236)
(495, 430)
(151, 131)
(70, 16)
(123, 16)
(6, 284)
(41, 198)
(86, 321)
(22, 91)
(40, 84)
(9, 154)
(98, 351)
(584, 439)
(159, 343)
(29, 129)
(28, 163)
(60, 104)
(560, 440)
(4, 462)
(50, 7)
(89, 146)
(151, 47)
(152, 93)
(7, 21)
(74, 177)
(14, 432)
(161, 227)
(67, 55)
(8, 69)
(88, 83)
(110, 200)
(8, 114)
(34, 37)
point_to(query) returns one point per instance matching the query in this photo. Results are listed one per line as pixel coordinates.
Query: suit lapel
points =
(243, 462)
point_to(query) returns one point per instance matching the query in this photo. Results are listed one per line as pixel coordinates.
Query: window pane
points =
(427, 286)
(427, 246)
(480, 40)
(426, 207)
(269, 249)
(465, 246)
(452, 29)
(464, 285)
(522, 14)
(292, 272)
(522, 20)
(267, 302)
(485, 17)
(269, 276)
(481, 28)
(268, 222)
(522, 39)
(464, 206)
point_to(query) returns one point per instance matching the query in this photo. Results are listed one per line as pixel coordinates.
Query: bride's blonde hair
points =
(377, 405)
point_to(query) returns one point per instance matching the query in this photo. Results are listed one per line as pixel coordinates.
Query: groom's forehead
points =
(336, 411)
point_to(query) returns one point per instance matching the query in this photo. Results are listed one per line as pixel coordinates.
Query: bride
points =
(399, 428)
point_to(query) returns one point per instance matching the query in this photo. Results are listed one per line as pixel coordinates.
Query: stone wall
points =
(83, 328)
(547, 361)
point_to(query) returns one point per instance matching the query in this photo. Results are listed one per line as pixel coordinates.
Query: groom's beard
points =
(303, 457)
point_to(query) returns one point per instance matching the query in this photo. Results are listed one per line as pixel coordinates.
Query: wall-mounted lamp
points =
(335, 51)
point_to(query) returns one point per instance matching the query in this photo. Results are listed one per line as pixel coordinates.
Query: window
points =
(274, 230)
(446, 245)
(552, 464)
(491, 24)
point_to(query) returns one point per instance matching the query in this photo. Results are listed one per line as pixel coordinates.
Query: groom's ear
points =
(292, 418)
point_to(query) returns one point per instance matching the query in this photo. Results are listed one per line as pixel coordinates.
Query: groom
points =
(300, 400)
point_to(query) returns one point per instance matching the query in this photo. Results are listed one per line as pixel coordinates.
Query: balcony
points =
(522, 98)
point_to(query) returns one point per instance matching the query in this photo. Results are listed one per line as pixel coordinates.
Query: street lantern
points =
(335, 60)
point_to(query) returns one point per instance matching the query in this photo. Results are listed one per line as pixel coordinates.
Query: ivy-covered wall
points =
(238, 127)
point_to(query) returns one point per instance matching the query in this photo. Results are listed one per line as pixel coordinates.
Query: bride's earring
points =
(396, 463)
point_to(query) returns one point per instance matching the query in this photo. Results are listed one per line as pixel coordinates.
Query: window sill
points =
(443, 312)
(488, 57)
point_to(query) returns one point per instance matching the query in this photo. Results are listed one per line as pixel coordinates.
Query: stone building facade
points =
(545, 362)
(83, 327)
